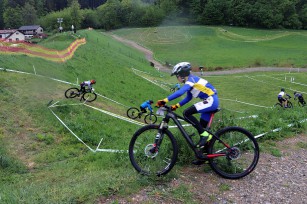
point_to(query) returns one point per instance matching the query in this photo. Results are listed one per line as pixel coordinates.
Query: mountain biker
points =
(281, 97)
(300, 98)
(88, 84)
(195, 87)
(146, 105)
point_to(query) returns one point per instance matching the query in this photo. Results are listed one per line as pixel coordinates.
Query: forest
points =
(114, 14)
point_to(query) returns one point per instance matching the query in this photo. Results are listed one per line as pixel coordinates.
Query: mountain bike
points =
(232, 153)
(301, 103)
(87, 95)
(279, 105)
(134, 113)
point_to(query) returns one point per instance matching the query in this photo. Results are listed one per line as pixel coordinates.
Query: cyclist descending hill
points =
(146, 105)
(300, 98)
(195, 87)
(88, 84)
(281, 97)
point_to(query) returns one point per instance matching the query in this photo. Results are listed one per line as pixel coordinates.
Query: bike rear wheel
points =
(301, 103)
(289, 104)
(147, 159)
(89, 96)
(278, 106)
(72, 92)
(242, 153)
(133, 113)
(150, 119)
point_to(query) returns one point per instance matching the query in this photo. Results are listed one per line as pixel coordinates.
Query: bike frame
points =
(174, 117)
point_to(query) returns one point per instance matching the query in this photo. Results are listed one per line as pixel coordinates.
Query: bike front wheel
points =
(150, 119)
(239, 153)
(71, 93)
(89, 96)
(149, 159)
(133, 113)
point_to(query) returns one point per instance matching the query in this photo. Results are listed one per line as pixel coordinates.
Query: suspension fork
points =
(159, 137)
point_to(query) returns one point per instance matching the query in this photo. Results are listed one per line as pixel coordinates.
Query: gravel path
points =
(275, 180)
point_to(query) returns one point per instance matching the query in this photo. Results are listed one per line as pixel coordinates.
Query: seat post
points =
(210, 121)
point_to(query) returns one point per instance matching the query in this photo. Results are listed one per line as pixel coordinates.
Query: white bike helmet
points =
(182, 69)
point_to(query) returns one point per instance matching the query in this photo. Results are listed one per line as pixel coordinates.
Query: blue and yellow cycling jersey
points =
(195, 87)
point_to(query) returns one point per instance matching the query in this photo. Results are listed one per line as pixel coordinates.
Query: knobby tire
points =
(148, 163)
(71, 92)
(133, 113)
(242, 156)
(150, 119)
(89, 96)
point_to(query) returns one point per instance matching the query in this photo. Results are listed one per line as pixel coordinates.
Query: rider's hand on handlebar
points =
(160, 103)
(174, 107)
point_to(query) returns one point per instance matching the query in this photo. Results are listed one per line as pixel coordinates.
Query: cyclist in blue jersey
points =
(194, 87)
(146, 105)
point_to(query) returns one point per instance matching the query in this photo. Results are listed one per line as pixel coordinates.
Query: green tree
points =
(303, 16)
(29, 14)
(153, 16)
(12, 17)
(110, 14)
(1, 15)
(214, 12)
(90, 19)
(75, 14)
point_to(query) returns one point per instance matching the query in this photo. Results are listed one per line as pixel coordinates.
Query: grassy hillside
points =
(225, 47)
(42, 162)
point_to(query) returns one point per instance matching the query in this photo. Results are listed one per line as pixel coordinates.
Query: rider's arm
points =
(149, 107)
(178, 93)
(186, 99)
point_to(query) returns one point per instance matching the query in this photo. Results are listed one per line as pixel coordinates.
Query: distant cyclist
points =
(300, 98)
(88, 84)
(177, 86)
(146, 105)
(281, 98)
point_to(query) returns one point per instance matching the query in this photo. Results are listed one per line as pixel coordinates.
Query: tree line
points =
(114, 14)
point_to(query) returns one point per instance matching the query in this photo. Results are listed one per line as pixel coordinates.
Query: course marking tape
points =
(244, 102)
(97, 149)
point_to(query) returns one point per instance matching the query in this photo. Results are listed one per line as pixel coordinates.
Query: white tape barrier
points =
(244, 102)
(278, 129)
(111, 100)
(160, 85)
(20, 72)
(292, 80)
(10, 70)
(271, 84)
(117, 116)
(97, 149)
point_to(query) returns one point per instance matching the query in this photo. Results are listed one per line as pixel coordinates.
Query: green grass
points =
(42, 162)
(225, 47)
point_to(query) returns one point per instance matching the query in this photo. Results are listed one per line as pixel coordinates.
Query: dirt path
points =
(148, 53)
(275, 180)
